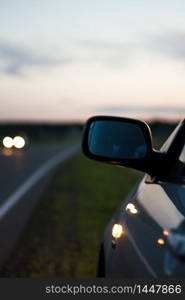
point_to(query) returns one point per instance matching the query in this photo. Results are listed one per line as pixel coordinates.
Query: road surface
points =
(24, 176)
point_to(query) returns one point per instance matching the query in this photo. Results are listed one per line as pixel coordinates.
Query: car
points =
(16, 142)
(146, 236)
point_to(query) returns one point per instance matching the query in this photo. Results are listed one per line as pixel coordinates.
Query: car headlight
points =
(8, 142)
(19, 142)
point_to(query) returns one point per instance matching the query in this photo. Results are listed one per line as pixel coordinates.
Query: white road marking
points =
(35, 177)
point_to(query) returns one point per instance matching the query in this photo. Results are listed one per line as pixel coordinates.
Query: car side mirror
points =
(119, 141)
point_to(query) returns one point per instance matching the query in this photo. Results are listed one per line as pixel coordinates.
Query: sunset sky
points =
(70, 59)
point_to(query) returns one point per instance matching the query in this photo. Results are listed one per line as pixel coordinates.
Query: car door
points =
(159, 207)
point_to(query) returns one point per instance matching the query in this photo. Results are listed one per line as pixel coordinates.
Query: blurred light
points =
(131, 208)
(7, 152)
(117, 231)
(160, 241)
(8, 142)
(18, 142)
(166, 232)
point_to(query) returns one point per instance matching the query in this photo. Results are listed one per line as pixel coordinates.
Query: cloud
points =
(16, 60)
(106, 45)
(111, 53)
(170, 43)
(139, 109)
(114, 53)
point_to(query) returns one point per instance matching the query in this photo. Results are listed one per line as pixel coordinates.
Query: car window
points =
(179, 170)
(182, 155)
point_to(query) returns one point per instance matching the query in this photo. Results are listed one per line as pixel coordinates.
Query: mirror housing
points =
(120, 141)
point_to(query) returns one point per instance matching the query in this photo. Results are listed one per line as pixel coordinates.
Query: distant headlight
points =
(19, 142)
(8, 142)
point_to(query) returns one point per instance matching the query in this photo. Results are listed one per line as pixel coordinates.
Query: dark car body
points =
(153, 239)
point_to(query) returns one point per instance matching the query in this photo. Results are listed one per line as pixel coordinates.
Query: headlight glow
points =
(131, 208)
(8, 142)
(160, 241)
(18, 142)
(166, 232)
(117, 231)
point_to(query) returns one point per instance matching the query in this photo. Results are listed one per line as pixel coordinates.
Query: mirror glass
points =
(115, 139)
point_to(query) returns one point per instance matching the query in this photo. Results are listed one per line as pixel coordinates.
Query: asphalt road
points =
(24, 176)
(17, 166)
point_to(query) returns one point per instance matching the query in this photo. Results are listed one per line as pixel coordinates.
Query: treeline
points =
(54, 131)
(40, 131)
(162, 129)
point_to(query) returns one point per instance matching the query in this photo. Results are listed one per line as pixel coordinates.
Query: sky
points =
(66, 60)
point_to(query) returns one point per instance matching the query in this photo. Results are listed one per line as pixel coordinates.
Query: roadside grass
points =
(63, 237)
